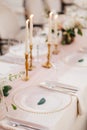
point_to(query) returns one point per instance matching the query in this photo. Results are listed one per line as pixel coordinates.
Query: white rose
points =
(69, 24)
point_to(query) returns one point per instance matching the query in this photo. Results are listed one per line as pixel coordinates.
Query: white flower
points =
(81, 3)
(70, 23)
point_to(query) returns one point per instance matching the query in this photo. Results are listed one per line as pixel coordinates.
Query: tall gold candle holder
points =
(48, 63)
(55, 51)
(30, 65)
(26, 68)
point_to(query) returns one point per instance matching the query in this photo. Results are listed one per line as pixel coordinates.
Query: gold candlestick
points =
(26, 68)
(55, 51)
(30, 65)
(48, 64)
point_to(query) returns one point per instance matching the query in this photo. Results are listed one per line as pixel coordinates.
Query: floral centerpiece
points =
(69, 29)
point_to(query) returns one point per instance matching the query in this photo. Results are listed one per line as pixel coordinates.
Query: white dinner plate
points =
(77, 59)
(27, 99)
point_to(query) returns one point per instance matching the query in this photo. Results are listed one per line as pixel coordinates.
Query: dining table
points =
(41, 103)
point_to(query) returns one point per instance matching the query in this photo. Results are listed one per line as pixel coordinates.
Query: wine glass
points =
(56, 66)
(36, 51)
(56, 70)
(40, 47)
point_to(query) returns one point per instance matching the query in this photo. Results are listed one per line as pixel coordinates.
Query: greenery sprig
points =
(68, 35)
(6, 88)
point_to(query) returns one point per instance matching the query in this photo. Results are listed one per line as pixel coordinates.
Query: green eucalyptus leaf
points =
(81, 60)
(6, 89)
(5, 94)
(71, 32)
(42, 101)
(63, 42)
(79, 31)
(13, 106)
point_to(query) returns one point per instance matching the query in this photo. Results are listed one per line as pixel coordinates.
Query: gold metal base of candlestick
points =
(55, 51)
(30, 68)
(47, 65)
(25, 78)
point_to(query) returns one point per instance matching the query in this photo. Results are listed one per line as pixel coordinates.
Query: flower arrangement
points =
(81, 3)
(69, 29)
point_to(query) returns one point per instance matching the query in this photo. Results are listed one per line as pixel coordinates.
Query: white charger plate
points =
(73, 59)
(27, 99)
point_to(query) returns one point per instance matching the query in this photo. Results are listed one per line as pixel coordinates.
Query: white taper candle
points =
(56, 27)
(31, 27)
(27, 37)
(50, 28)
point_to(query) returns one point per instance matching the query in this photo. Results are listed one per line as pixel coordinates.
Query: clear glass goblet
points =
(56, 70)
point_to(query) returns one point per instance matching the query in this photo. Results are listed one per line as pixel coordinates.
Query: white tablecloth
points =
(75, 115)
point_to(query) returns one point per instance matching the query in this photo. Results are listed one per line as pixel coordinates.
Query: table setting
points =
(51, 95)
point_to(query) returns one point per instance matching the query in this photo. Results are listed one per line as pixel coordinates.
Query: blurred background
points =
(13, 15)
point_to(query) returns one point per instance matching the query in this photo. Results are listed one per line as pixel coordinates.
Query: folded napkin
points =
(77, 76)
(10, 123)
(60, 87)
